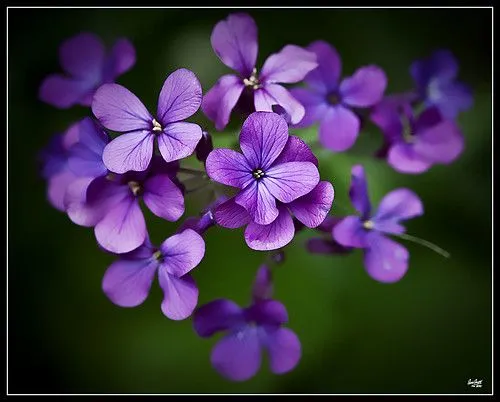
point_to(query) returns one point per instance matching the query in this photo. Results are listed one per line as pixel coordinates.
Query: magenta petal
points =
(131, 151)
(218, 315)
(259, 203)
(442, 143)
(291, 180)
(312, 208)
(324, 78)
(238, 355)
(118, 109)
(180, 97)
(364, 88)
(121, 59)
(399, 204)
(358, 191)
(78, 210)
(349, 232)
(263, 136)
(182, 252)
(221, 99)
(385, 260)
(290, 65)
(127, 282)
(274, 94)
(314, 105)
(296, 150)
(339, 129)
(403, 158)
(83, 56)
(228, 167)
(180, 295)
(62, 92)
(277, 234)
(284, 350)
(178, 140)
(163, 197)
(231, 215)
(234, 40)
(123, 228)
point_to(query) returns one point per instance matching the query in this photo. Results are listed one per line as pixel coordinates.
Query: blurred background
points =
(428, 333)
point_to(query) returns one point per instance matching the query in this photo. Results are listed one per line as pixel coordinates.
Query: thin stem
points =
(193, 172)
(425, 243)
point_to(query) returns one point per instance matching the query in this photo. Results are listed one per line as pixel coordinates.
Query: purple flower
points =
(237, 356)
(436, 83)
(385, 260)
(120, 110)
(415, 143)
(234, 40)
(200, 224)
(55, 168)
(128, 280)
(86, 66)
(326, 245)
(330, 102)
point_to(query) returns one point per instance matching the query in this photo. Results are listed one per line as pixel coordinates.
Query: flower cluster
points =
(105, 169)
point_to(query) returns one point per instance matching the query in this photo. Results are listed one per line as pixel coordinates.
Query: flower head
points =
(86, 66)
(385, 260)
(128, 280)
(249, 331)
(234, 40)
(323, 244)
(330, 102)
(436, 83)
(415, 143)
(120, 110)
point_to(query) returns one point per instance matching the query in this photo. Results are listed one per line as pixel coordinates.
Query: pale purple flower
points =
(436, 83)
(330, 101)
(249, 331)
(55, 168)
(86, 66)
(120, 110)
(385, 260)
(128, 280)
(326, 244)
(415, 143)
(234, 40)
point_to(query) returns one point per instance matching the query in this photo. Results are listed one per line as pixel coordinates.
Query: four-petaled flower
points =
(120, 110)
(234, 40)
(128, 280)
(385, 260)
(84, 60)
(330, 102)
(238, 355)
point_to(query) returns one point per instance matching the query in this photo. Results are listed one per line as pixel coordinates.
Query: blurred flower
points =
(234, 40)
(128, 280)
(120, 110)
(86, 65)
(54, 165)
(385, 260)
(204, 147)
(263, 285)
(326, 245)
(330, 102)
(200, 224)
(249, 331)
(436, 83)
(415, 143)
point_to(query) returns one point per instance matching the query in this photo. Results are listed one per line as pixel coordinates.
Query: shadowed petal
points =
(231, 215)
(262, 287)
(258, 202)
(131, 151)
(442, 143)
(182, 252)
(284, 350)
(62, 92)
(365, 87)
(296, 150)
(289, 65)
(324, 78)
(339, 129)
(83, 56)
(403, 158)
(118, 109)
(163, 197)
(180, 295)
(441, 64)
(277, 234)
(228, 167)
(121, 59)
(358, 191)
(314, 104)
(180, 97)
(385, 260)
(398, 205)
(273, 94)
(267, 312)
(218, 315)
(312, 208)
(451, 98)
(178, 140)
(57, 187)
(318, 245)
(349, 232)
(78, 209)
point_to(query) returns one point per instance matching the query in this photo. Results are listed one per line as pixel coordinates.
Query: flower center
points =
(252, 81)
(333, 98)
(135, 187)
(408, 135)
(111, 176)
(156, 126)
(258, 174)
(368, 225)
(157, 255)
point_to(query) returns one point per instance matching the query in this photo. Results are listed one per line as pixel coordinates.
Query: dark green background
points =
(429, 333)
